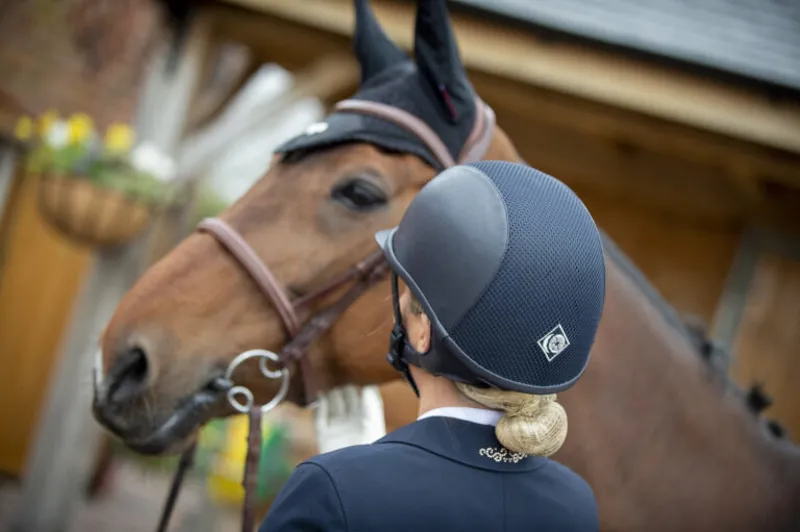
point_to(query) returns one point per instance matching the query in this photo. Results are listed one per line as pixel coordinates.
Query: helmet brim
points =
(384, 240)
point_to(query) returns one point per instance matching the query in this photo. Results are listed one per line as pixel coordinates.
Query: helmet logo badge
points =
(553, 343)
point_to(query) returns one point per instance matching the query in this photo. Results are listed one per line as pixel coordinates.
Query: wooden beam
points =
(613, 165)
(638, 174)
(732, 304)
(767, 336)
(580, 71)
(9, 187)
(619, 154)
(8, 167)
(167, 95)
(754, 243)
(236, 66)
(731, 158)
(60, 462)
(626, 173)
(750, 190)
(293, 45)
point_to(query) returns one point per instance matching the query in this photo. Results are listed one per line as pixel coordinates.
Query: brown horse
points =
(666, 444)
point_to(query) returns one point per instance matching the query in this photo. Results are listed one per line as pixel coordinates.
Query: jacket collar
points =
(481, 416)
(462, 441)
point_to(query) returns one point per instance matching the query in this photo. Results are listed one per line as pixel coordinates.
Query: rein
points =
(363, 276)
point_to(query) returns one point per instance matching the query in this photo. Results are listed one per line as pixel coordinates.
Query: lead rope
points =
(187, 459)
(255, 415)
(249, 480)
(251, 463)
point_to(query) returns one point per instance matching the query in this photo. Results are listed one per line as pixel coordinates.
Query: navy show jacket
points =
(437, 474)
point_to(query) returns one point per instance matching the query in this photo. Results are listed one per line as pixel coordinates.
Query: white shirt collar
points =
(482, 416)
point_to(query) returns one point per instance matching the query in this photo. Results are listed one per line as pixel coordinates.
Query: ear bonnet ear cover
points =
(433, 87)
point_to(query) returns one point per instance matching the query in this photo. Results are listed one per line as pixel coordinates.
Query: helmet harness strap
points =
(398, 343)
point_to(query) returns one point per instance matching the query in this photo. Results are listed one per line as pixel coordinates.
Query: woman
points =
(505, 279)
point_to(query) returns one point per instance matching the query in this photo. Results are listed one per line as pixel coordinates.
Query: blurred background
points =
(123, 122)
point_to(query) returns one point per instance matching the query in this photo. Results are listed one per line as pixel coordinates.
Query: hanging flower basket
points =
(91, 214)
(95, 194)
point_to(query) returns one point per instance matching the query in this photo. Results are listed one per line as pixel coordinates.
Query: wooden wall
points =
(685, 261)
(40, 275)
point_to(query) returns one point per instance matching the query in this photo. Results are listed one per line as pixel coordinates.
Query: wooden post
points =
(753, 244)
(59, 465)
(8, 165)
(8, 170)
(731, 305)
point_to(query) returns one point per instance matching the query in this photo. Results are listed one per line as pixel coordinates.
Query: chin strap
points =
(395, 356)
(397, 341)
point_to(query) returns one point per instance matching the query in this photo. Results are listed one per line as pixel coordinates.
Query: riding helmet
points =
(508, 265)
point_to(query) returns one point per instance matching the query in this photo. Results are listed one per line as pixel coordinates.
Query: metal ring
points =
(241, 390)
(262, 363)
(263, 355)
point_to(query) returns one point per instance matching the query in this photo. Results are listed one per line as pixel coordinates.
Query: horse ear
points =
(372, 47)
(436, 52)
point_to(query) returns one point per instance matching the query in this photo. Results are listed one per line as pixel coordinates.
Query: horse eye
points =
(359, 194)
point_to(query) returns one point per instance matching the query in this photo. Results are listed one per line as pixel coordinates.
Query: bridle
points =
(361, 277)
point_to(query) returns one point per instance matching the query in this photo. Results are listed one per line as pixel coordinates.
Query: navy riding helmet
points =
(508, 265)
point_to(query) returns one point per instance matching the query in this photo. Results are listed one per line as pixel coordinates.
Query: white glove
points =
(349, 416)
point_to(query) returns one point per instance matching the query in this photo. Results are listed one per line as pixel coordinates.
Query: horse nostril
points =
(129, 375)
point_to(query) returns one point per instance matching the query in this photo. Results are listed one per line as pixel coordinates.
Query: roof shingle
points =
(754, 39)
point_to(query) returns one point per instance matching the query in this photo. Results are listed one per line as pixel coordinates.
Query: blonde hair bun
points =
(533, 424)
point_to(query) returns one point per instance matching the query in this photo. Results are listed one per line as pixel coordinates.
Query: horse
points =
(664, 440)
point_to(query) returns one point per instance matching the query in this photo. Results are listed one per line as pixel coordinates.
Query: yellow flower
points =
(119, 138)
(24, 128)
(80, 128)
(46, 121)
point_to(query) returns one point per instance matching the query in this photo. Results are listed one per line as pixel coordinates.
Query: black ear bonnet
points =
(433, 87)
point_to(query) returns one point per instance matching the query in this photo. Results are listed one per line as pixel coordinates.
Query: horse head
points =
(309, 219)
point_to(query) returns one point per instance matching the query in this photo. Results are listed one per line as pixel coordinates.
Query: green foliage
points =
(43, 158)
(209, 204)
(274, 467)
(72, 149)
(115, 174)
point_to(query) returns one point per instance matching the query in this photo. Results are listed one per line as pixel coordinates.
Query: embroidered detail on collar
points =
(501, 455)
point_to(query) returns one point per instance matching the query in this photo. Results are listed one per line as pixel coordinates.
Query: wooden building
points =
(45, 65)
(684, 143)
